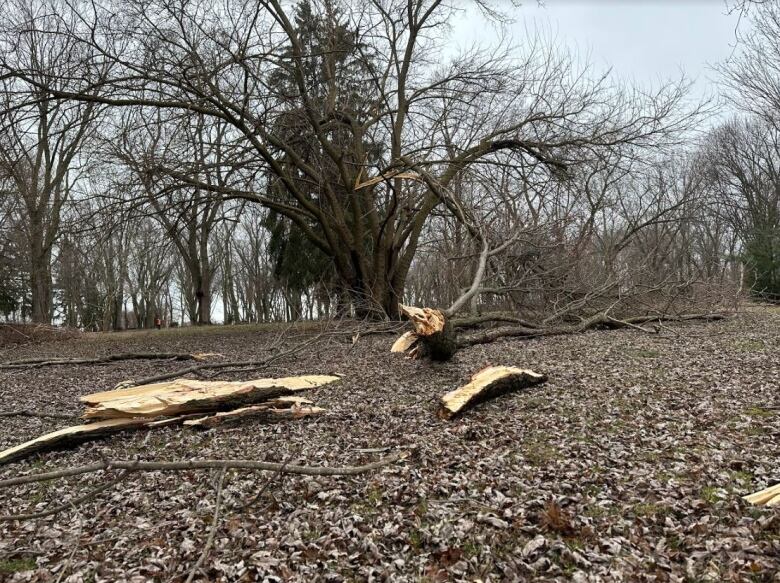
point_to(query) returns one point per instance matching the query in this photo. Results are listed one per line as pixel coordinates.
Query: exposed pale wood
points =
(167, 421)
(426, 321)
(486, 384)
(68, 435)
(405, 342)
(769, 496)
(264, 412)
(434, 334)
(189, 396)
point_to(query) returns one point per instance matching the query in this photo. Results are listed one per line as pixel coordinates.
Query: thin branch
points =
(40, 362)
(137, 466)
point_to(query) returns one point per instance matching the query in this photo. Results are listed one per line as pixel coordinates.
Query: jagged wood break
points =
(180, 401)
(488, 383)
(183, 396)
(433, 336)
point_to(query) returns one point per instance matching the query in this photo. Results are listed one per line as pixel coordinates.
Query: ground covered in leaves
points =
(628, 465)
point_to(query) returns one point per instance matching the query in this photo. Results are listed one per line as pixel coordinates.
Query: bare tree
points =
(346, 120)
(42, 137)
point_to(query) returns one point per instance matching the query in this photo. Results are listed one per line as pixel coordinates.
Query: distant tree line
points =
(167, 160)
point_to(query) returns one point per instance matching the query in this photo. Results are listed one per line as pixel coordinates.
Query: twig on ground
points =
(41, 362)
(213, 531)
(139, 466)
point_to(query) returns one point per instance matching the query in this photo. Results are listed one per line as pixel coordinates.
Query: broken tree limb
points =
(767, 497)
(148, 466)
(69, 435)
(601, 320)
(434, 335)
(41, 362)
(486, 384)
(184, 396)
(264, 413)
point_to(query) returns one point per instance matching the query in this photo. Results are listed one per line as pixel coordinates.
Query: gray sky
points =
(642, 40)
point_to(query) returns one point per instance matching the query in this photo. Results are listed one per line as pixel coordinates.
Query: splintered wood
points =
(183, 396)
(433, 336)
(69, 435)
(182, 401)
(768, 497)
(486, 384)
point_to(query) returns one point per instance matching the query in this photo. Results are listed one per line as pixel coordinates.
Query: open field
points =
(628, 465)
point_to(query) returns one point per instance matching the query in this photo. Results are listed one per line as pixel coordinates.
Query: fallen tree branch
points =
(41, 362)
(474, 321)
(136, 466)
(597, 321)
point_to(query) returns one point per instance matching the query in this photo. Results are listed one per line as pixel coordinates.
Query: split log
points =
(265, 413)
(767, 497)
(184, 396)
(68, 436)
(486, 384)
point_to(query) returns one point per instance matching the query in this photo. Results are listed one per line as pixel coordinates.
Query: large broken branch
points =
(602, 320)
(184, 396)
(181, 401)
(486, 384)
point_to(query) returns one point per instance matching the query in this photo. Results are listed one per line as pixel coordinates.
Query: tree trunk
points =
(40, 282)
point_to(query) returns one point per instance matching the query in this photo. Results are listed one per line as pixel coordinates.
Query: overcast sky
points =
(642, 40)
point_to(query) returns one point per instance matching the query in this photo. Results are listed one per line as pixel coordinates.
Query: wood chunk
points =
(263, 412)
(769, 496)
(69, 435)
(183, 396)
(405, 342)
(486, 384)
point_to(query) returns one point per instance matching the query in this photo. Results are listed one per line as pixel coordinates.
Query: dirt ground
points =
(628, 465)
